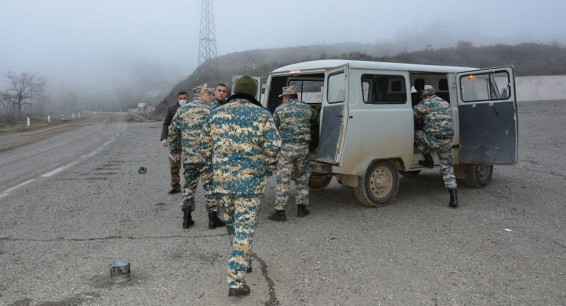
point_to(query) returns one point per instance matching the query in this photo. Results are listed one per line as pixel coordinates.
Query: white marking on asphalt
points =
(57, 170)
(7, 191)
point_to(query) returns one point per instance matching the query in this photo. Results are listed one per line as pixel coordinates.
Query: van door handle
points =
(494, 109)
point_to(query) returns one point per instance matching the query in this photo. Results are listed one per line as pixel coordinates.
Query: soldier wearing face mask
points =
(184, 136)
(174, 165)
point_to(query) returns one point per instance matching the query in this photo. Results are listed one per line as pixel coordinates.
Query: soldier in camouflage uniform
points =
(174, 165)
(220, 92)
(241, 143)
(184, 136)
(293, 118)
(436, 136)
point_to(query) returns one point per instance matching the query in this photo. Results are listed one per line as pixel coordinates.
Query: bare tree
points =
(21, 87)
(7, 103)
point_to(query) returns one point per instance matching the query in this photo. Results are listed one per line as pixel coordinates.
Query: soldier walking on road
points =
(174, 165)
(184, 137)
(436, 136)
(293, 118)
(241, 143)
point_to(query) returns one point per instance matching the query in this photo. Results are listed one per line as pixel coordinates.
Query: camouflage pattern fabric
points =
(175, 168)
(437, 116)
(192, 173)
(240, 215)
(436, 135)
(241, 143)
(293, 119)
(215, 103)
(293, 165)
(184, 137)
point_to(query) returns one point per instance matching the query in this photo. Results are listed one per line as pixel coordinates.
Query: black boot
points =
(214, 221)
(187, 218)
(278, 215)
(427, 162)
(302, 210)
(453, 198)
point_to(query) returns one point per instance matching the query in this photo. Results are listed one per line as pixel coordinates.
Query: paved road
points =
(85, 205)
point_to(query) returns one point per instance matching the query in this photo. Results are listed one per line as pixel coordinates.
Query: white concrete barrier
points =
(540, 88)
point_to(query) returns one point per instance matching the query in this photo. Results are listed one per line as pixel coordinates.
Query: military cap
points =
(201, 89)
(428, 92)
(290, 90)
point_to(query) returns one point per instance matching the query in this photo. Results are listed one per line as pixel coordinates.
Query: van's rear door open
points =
(334, 115)
(487, 109)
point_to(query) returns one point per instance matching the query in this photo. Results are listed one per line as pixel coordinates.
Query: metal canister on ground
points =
(120, 271)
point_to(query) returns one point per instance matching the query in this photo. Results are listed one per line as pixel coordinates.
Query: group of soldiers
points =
(233, 146)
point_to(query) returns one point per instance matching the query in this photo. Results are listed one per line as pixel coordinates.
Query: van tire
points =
(378, 187)
(319, 182)
(478, 176)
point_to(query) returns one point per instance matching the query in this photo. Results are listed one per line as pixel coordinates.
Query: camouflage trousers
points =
(175, 168)
(443, 148)
(192, 175)
(293, 165)
(240, 215)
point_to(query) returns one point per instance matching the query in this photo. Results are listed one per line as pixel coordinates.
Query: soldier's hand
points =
(174, 157)
(164, 142)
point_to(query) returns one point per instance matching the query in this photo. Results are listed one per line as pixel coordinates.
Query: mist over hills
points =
(529, 59)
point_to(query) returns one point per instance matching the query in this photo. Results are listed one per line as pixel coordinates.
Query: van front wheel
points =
(379, 185)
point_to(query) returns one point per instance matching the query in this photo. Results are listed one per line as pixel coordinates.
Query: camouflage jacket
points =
(185, 130)
(216, 103)
(241, 143)
(437, 116)
(294, 119)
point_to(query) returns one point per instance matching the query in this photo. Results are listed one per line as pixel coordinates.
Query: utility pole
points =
(207, 61)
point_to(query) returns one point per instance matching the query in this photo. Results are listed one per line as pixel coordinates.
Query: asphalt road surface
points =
(73, 203)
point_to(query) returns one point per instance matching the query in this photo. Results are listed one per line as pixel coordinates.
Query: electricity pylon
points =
(207, 61)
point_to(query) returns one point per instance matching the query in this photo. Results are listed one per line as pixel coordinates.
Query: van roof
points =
(329, 64)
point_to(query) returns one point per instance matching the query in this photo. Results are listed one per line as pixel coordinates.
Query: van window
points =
(309, 91)
(383, 89)
(337, 88)
(486, 86)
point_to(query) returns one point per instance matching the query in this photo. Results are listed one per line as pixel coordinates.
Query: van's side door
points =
(487, 109)
(334, 115)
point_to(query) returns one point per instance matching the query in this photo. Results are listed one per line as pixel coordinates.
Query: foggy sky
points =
(100, 43)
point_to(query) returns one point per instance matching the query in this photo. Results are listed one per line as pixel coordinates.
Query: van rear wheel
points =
(319, 182)
(478, 176)
(378, 187)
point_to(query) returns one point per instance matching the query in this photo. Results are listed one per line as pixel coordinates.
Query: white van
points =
(366, 133)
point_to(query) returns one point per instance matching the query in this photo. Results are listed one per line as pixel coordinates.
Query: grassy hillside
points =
(528, 59)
